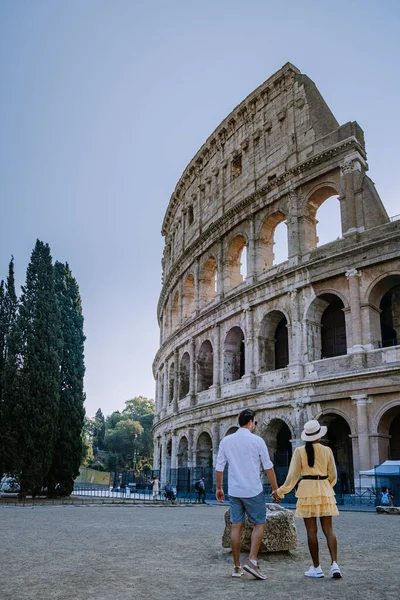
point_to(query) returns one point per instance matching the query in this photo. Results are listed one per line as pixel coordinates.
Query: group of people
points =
(314, 463)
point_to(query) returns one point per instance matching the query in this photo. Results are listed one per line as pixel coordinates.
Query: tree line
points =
(123, 440)
(41, 377)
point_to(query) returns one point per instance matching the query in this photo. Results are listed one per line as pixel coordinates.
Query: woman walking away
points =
(316, 498)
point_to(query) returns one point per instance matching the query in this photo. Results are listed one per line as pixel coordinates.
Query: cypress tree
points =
(8, 367)
(37, 386)
(68, 447)
(99, 430)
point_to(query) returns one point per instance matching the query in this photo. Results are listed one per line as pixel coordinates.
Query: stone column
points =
(356, 329)
(163, 474)
(166, 389)
(251, 253)
(249, 348)
(156, 457)
(293, 229)
(217, 359)
(180, 306)
(196, 286)
(192, 372)
(361, 402)
(295, 339)
(220, 271)
(215, 445)
(176, 381)
(351, 175)
(191, 450)
(174, 458)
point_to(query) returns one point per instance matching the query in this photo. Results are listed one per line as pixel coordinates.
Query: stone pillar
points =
(196, 286)
(156, 457)
(217, 359)
(192, 372)
(249, 348)
(293, 229)
(216, 435)
(295, 337)
(361, 402)
(166, 389)
(220, 271)
(191, 449)
(163, 474)
(251, 253)
(174, 458)
(180, 306)
(176, 381)
(356, 328)
(352, 172)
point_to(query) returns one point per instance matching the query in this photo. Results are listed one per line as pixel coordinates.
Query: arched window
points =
(234, 355)
(208, 280)
(338, 438)
(390, 317)
(184, 375)
(188, 297)
(205, 366)
(273, 342)
(329, 218)
(273, 242)
(333, 330)
(171, 382)
(234, 261)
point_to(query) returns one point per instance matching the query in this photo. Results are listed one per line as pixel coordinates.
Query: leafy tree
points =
(35, 386)
(142, 410)
(68, 446)
(124, 439)
(87, 449)
(113, 419)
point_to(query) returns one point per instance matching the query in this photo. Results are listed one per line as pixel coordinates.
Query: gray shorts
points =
(254, 507)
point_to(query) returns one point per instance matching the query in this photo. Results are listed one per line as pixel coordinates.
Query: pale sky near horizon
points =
(103, 104)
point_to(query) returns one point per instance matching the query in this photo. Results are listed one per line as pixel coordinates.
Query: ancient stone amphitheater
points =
(316, 335)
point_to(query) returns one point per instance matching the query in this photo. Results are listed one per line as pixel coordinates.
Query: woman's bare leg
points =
(312, 529)
(326, 524)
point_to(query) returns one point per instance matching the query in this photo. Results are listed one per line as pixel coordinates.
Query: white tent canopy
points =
(389, 467)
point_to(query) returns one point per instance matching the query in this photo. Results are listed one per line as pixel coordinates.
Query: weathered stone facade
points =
(314, 336)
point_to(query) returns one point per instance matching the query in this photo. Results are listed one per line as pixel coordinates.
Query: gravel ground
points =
(164, 553)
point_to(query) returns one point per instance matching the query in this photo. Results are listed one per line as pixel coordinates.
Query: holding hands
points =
(275, 497)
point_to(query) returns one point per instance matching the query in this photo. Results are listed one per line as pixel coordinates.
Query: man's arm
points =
(270, 473)
(219, 492)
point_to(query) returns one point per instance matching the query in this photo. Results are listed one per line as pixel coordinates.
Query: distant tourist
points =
(156, 487)
(386, 497)
(200, 488)
(245, 453)
(169, 491)
(316, 465)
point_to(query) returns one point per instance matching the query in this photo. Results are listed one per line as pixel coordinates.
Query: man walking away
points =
(200, 488)
(245, 453)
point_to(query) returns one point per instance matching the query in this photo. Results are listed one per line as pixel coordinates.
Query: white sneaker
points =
(335, 571)
(314, 572)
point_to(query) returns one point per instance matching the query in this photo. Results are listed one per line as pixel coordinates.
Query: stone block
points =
(388, 510)
(280, 534)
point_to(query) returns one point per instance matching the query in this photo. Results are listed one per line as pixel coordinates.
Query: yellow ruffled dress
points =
(315, 497)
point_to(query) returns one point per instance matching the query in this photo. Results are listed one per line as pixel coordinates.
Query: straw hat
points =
(313, 431)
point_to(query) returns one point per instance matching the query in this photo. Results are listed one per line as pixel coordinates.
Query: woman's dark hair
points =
(310, 453)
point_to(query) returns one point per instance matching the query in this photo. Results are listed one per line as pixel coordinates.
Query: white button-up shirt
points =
(245, 453)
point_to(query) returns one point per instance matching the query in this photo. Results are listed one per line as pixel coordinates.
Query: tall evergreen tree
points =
(37, 384)
(8, 365)
(68, 446)
(99, 430)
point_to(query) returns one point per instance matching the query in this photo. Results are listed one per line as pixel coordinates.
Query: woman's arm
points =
(292, 476)
(332, 474)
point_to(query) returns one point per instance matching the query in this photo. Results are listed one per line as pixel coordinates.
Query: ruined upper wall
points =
(273, 129)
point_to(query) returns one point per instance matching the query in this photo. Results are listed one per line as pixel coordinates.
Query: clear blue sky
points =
(102, 105)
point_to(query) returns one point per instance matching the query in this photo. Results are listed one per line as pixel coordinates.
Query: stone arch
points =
(234, 276)
(188, 296)
(234, 355)
(383, 305)
(278, 435)
(175, 310)
(273, 345)
(314, 201)
(338, 438)
(205, 366)
(184, 375)
(204, 450)
(232, 429)
(326, 327)
(208, 281)
(266, 240)
(183, 452)
(388, 431)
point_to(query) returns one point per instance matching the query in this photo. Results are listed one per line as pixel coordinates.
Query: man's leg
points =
(256, 539)
(236, 541)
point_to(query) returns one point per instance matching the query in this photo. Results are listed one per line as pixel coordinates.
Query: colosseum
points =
(315, 334)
